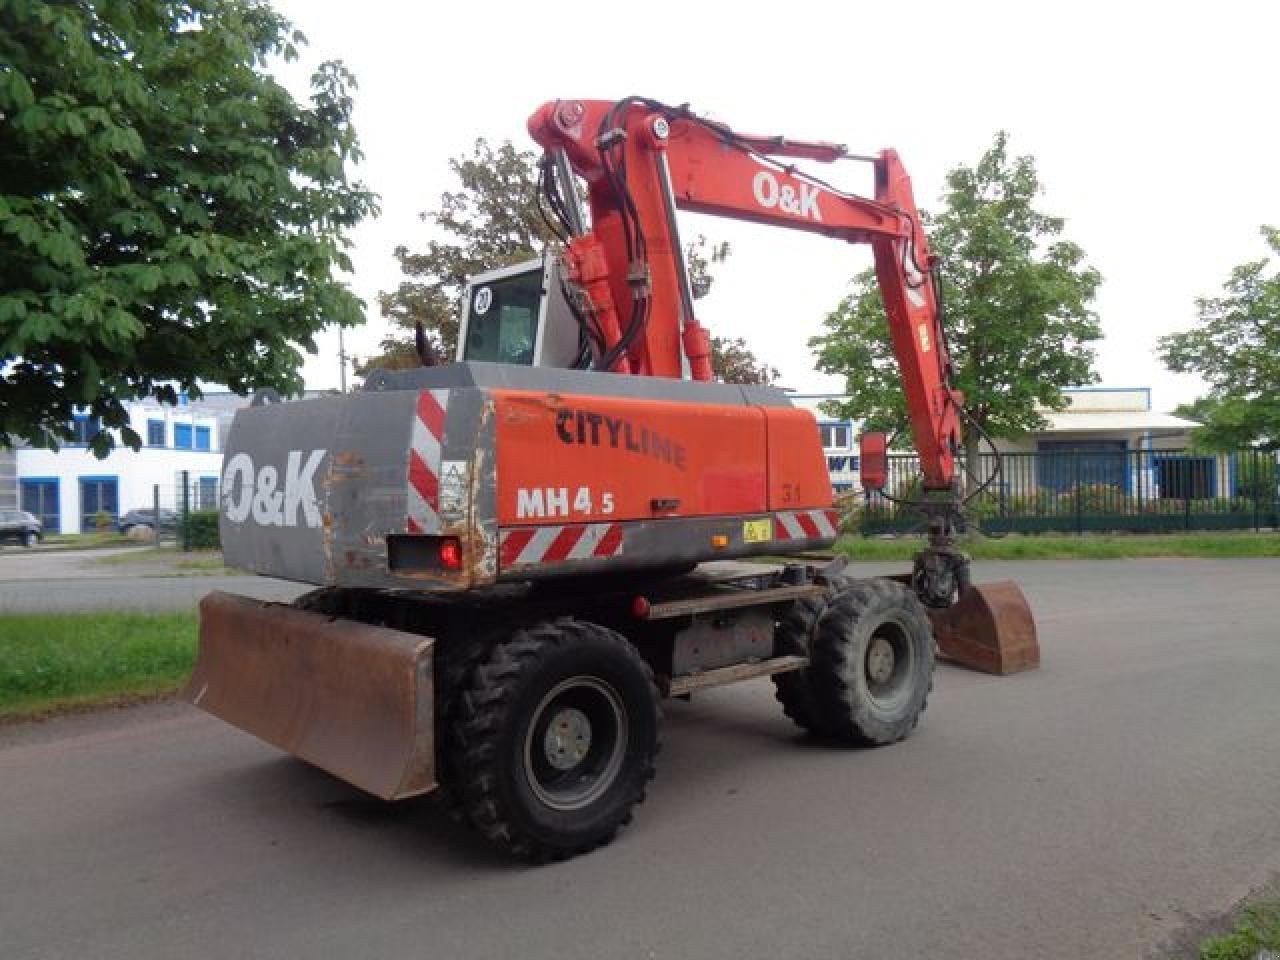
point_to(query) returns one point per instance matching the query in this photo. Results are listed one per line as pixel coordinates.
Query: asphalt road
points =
(74, 581)
(1088, 809)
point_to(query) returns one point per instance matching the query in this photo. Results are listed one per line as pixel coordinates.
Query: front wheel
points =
(555, 738)
(871, 667)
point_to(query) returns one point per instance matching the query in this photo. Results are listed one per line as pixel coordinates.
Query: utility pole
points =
(342, 361)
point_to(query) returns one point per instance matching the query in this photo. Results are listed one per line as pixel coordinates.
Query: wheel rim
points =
(887, 664)
(575, 743)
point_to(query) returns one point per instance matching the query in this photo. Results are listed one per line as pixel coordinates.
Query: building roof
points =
(1070, 421)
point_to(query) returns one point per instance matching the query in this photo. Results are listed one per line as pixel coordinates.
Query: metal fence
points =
(1105, 490)
(167, 514)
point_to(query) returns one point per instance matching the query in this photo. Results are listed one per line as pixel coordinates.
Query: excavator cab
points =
(519, 315)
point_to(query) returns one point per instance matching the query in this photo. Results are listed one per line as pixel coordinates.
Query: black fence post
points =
(186, 510)
(1255, 480)
(1079, 493)
(155, 508)
(1139, 476)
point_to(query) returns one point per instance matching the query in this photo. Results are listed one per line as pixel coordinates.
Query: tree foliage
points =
(1017, 312)
(1236, 348)
(169, 214)
(492, 220)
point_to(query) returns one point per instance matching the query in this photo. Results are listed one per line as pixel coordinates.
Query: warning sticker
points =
(757, 531)
(455, 477)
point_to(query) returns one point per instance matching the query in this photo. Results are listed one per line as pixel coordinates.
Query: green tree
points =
(493, 220)
(734, 362)
(1236, 348)
(169, 214)
(1017, 307)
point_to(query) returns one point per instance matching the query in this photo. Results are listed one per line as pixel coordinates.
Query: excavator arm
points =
(643, 160)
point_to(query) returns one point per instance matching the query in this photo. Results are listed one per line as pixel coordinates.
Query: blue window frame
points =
(836, 435)
(155, 433)
(207, 494)
(40, 497)
(182, 436)
(84, 428)
(202, 438)
(98, 495)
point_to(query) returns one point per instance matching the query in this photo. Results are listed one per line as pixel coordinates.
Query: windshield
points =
(502, 319)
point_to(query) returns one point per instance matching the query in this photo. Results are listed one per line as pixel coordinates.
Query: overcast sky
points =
(1154, 126)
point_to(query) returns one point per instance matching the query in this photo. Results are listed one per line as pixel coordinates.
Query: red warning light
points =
(450, 554)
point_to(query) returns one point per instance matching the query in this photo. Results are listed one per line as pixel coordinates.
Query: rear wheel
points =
(456, 664)
(794, 637)
(555, 738)
(872, 663)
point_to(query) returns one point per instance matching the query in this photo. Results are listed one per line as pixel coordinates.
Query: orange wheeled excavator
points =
(512, 553)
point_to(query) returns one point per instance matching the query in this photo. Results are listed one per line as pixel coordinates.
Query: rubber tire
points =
(455, 666)
(848, 711)
(492, 719)
(30, 540)
(793, 637)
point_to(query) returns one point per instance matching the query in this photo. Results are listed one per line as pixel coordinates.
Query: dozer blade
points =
(989, 628)
(352, 699)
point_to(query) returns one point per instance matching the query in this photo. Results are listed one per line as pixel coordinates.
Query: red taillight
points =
(450, 554)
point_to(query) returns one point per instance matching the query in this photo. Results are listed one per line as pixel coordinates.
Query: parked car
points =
(146, 517)
(18, 526)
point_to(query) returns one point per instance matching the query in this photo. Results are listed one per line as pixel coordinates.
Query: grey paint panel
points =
(359, 485)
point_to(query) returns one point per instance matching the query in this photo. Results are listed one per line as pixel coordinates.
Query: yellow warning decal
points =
(757, 531)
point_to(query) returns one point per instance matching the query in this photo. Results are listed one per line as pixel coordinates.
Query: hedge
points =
(200, 530)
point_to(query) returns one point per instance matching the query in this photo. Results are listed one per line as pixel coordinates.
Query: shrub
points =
(1095, 498)
(1256, 476)
(200, 530)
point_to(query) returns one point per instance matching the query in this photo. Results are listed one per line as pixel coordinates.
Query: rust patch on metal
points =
(523, 408)
(353, 699)
(990, 628)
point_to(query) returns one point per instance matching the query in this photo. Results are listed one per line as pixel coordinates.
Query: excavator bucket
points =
(352, 699)
(989, 628)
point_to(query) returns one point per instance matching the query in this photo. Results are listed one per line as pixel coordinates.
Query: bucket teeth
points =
(990, 628)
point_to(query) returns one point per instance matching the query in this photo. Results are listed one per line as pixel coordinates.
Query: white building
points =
(69, 488)
(839, 439)
(1098, 425)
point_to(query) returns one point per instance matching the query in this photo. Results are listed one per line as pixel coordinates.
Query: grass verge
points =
(1087, 546)
(195, 561)
(85, 541)
(55, 662)
(1256, 933)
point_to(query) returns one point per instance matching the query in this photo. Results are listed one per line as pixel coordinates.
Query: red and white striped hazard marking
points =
(423, 502)
(805, 524)
(522, 546)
